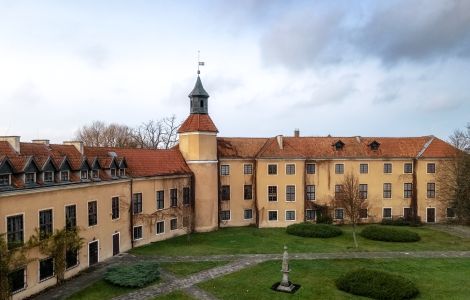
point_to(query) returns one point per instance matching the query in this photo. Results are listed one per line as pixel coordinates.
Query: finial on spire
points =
(199, 62)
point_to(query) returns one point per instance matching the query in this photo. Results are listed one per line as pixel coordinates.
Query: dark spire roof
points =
(198, 90)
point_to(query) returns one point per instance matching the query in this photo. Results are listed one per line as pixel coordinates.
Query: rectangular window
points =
(17, 280)
(247, 214)
(46, 268)
(272, 193)
(45, 223)
(247, 192)
(408, 168)
(71, 258)
(48, 176)
(137, 233)
(387, 213)
(339, 213)
(160, 200)
(338, 190)
(363, 191)
(64, 176)
(70, 216)
(160, 227)
(450, 212)
(30, 178)
(290, 215)
(225, 170)
(407, 190)
(122, 172)
(272, 169)
(137, 203)
(364, 168)
(186, 196)
(225, 192)
(310, 214)
(225, 215)
(272, 215)
(311, 169)
(173, 224)
(290, 169)
(431, 190)
(15, 231)
(310, 192)
(4, 179)
(92, 213)
(247, 169)
(290, 192)
(95, 174)
(407, 213)
(339, 168)
(431, 168)
(115, 208)
(363, 213)
(387, 190)
(113, 172)
(83, 175)
(173, 197)
(387, 168)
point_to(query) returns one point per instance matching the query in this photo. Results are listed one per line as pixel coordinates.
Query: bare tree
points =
(170, 129)
(99, 134)
(149, 134)
(352, 200)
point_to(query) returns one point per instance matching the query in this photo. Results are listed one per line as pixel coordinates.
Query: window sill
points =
(72, 267)
(45, 279)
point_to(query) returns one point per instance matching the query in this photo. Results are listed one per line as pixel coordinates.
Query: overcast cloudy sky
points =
(370, 68)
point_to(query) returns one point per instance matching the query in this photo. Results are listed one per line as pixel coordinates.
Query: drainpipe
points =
(131, 213)
(414, 195)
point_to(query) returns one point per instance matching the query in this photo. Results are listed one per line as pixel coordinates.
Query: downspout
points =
(219, 198)
(255, 189)
(304, 179)
(131, 214)
(192, 220)
(414, 195)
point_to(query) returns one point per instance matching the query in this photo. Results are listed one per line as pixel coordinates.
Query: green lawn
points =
(101, 289)
(435, 278)
(178, 295)
(242, 240)
(182, 269)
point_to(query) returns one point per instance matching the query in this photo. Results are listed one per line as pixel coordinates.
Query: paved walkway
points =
(456, 230)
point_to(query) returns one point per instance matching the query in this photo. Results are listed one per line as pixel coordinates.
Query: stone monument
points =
(285, 285)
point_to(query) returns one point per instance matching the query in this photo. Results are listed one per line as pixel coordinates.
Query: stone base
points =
(290, 288)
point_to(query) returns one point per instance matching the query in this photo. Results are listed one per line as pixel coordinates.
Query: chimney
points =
(296, 132)
(13, 140)
(77, 144)
(279, 141)
(45, 142)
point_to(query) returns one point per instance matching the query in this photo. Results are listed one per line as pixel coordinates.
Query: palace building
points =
(122, 198)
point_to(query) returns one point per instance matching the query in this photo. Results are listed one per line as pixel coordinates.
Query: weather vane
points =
(199, 62)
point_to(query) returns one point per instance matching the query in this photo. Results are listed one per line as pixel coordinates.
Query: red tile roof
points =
(198, 122)
(239, 147)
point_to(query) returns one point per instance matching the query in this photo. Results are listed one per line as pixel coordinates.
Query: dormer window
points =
(374, 145)
(30, 178)
(48, 176)
(5, 179)
(95, 174)
(64, 176)
(84, 175)
(122, 172)
(339, 145)
(113, 172)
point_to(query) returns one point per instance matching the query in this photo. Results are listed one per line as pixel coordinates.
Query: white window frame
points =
(87, 214)
(142, 232)
(288, 165)
(227, 167)
(39, 269)
(391, 168)
(156, 227)
(315, 168)
(9, 179)
(295, 193)
(267, 169)
(44, 176)
(295, 215)
(336, 164)
(435, 167)
(404, 164)
(84, 177)
(277, 194)
(34, 180)
(68, 176)
(367, 164)
(391, 213)
(39, 220)
(119, 202)
(339, 208)
(229, 213)
(251, 169)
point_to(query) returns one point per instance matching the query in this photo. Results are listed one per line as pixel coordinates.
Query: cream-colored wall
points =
(198, 146)
(440, 202)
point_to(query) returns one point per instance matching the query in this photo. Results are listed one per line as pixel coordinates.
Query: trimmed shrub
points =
(387, 234)
(314, 230)
(324, 219)
(137, 275)
(396, 222)
(377, 285)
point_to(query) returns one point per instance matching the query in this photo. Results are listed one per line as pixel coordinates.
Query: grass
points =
(178, 295)
(101, 289)
(182, 269)
(435, 278)
(244, 240)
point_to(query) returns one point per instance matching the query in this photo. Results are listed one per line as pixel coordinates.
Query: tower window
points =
(202, 103)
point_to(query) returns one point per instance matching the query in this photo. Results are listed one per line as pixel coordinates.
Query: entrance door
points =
(116, 243)
(431, 215)
(92, 253)
(407, 213)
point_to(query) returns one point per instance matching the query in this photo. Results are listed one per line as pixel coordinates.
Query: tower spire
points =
(198, 96)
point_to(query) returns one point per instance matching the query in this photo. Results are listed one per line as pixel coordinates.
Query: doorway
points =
(116, 238)
(93, 254)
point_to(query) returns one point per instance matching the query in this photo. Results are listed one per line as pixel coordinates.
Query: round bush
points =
(377, 285)
(314, 230)
(137, 275)
(387, 234)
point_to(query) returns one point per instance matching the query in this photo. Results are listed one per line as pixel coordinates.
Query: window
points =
(247, 192)
(408, 190)
(46, 268)
(339, 145)
(186, 196)
(272, 193)
(431, 190)
(48, 176)
(387, 213)
(92, 213)
(70, 216)
(95, 174)
(339, 169)
(173, 224)
(115, 208)
(225, 170)
(363, 191)
(247, 169)
(339, 213)
(310, 214)
(387, 190)
(83, 175)
(311, 169)
(374, 145)
(272, 169)
(122, 172)
(15, 231)
(17, 280)
(137, 233)
(247, 214)
(30, 178)
(364, 168)
(363, 213)
(173, 197)
(408, 168)
(290, 215)
(338, 190)
(290, 169)
(137, 203)
(290, 192)
(113, 172)
(225, 215)
(71, 258)
(431, 168)
(310, 192)
(272, 215)
(45, 223)
(4, 179)
(225, 192)
(160, 227)
(387, 168)
(160, 200)
(450, 212)
(64, 176)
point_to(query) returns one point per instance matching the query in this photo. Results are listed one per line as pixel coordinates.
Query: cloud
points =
(329, 92)
(96, 55)
(389, 90)
(27, 93)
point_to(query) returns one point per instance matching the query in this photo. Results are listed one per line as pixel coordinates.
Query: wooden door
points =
(116, 244)
(430, 215)
(93, 253)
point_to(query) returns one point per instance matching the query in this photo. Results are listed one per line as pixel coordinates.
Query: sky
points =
(345, 68)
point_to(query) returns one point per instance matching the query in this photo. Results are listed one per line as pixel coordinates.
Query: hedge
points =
(387, 234)
(137, 275)
(314, 230)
